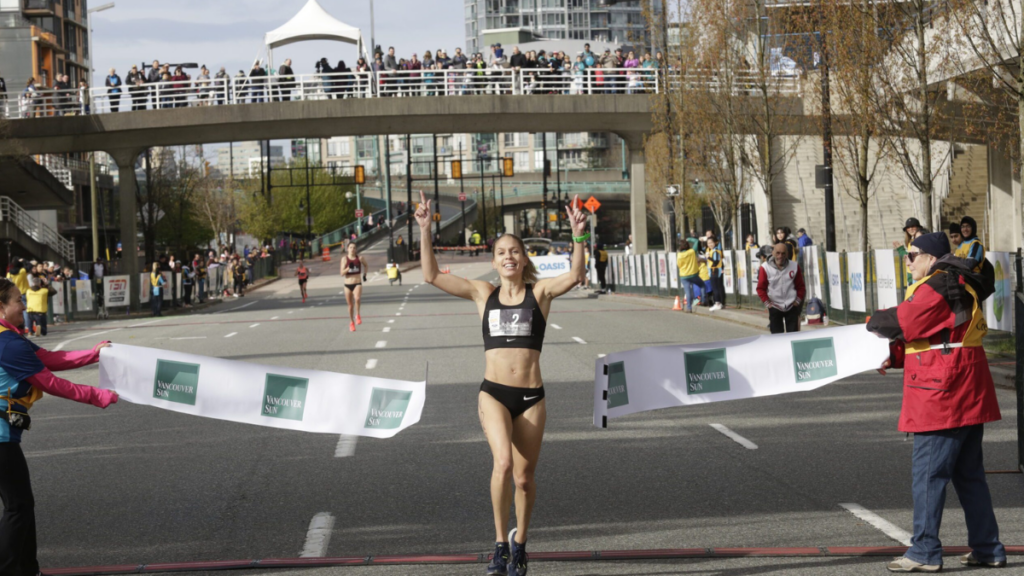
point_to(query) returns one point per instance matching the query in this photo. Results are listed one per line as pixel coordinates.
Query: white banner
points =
(727, 275)
(167, 289)
(648, 277)
(855, 268)
(662, 271)
(178, 292)
(755, 270)
(673, 270)
(115, 291)
(885, 279)
(638, 273)
(144, 287)
(83, 295)
(58, 298)
(812, 273)
(742, 276)
(668, 376)
(835, 280)
(551, 266)
(273, 396)
(613, 270)
(999, 306)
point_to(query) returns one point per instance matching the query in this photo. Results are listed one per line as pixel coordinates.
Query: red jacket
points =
(942, 388)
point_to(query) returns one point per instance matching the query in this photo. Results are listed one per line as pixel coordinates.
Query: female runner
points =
(303, 273)
(511, 400)
(353, 269)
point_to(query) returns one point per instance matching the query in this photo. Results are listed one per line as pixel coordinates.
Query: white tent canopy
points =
(313, 23)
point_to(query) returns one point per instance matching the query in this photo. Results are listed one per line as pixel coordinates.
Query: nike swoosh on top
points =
(525, 399)
(509, 339)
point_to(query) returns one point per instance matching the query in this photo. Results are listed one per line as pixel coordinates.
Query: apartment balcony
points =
(40, 7)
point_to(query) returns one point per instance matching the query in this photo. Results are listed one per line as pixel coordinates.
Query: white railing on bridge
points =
(387, 84)
(41, 233)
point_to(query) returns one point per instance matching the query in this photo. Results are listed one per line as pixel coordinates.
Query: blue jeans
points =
(940, 457)
(691, 288)
(201, 294)
(27, 325)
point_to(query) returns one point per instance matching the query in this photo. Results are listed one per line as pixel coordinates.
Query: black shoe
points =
(518, 557)
(499, 562)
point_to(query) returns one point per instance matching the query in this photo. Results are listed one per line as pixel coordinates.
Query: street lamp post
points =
(92, 155)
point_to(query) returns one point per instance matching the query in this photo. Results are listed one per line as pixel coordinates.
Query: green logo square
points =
(707, 371)
(387, 408)
(814, 359)
(176, 382)
(284, 397)
(618, 391)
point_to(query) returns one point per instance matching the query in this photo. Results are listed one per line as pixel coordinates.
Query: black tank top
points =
(516, 326)
(354, 266)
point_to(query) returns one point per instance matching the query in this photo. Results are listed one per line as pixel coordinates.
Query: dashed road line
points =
(236, 308)
(318, 537)
(392, 321)
(579, 340)
(556, 326)
(233, 334)
(371, 363)
(346, 446)
(275, 317)
(254, 325)
(190, 338)
(399, 314)
(735, 437)
(381, 343)
(387, 329)
(888, 528)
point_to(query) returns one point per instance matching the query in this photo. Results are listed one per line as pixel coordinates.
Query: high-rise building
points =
(42, 39)
(240, 159)
(620, 21)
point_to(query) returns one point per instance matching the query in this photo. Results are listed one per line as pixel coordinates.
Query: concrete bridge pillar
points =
(128, 188)
(1004, 203)
(637, 191)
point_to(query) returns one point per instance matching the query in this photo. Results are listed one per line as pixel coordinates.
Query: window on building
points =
(521, 161)
(553, 19)
(339, 147)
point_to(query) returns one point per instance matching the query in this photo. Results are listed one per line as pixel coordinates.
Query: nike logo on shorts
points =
(509, 339)
(525, 399)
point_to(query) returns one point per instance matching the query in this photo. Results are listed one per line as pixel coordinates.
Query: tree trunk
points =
(863, 187)
(766, 181)
(924, 136)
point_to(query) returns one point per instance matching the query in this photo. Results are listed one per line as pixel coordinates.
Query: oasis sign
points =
(551, 266)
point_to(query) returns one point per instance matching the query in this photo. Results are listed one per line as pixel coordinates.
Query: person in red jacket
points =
(948, 396)
(780, 285)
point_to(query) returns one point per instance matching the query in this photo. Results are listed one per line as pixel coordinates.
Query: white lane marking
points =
(60, 346)
(318, 536)
(238, 308)
(601, 355)
(381, 343)
(231, 335)
(346, 446)
(275, 317)
(387, 329)
(292, 312)
(371, 363)
(736, 437)
(888, 528)
(392, 321)
(580, 340)
(190, 338)
(342, 292)
(556, 326)
(254, 325)
(148, 323)
(399, 314)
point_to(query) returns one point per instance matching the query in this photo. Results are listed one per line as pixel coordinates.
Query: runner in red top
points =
(353, 270)
(303, 273)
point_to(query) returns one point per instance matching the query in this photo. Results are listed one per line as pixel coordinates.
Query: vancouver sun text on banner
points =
(273, 396)
(667, 376)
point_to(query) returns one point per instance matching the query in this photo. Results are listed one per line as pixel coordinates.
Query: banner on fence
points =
(812, 272)
(145, 287)
(57, 302)
(999, 306)
(855, 268)
(178, 290)
(835, 280)
(755, 269)
(727, 274)
(167, 290)
(551, 266)
(115, 291)
(673, 271)
(662, 271)
(648, 272)
(273, 396)
(885, 279)
(668, 376)
(83, 295)
(638, 272)
(742, 278)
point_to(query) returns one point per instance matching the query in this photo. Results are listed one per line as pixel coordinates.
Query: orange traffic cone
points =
(677, 307)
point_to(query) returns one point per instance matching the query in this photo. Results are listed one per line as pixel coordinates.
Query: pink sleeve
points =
(59, 361)
(62, 388)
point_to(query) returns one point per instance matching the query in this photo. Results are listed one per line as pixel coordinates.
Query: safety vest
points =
(965, 249)
(976, 330)
(24, 402)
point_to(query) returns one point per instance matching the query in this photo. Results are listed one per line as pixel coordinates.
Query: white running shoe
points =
(716, 307)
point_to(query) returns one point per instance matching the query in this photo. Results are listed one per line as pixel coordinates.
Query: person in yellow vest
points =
(716, 269)
(602, 266)
(751, 243)
(690, 281)
(705, 282)
(156, 291)
(18, 273)
(971, 248)
(38, 305)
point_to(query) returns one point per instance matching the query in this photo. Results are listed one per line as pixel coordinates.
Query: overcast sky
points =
(230, 33)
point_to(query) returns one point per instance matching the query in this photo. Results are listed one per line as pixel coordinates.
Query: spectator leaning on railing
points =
(113, 85)
(136, 82)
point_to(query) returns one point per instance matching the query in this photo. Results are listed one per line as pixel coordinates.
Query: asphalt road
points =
(134, 484)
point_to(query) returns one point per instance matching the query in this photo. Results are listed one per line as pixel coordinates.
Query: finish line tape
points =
(667, 376)
(272, 396)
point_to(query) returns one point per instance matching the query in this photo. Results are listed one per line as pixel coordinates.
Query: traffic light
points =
(437, 216)
(456, 168)
(360, 175)
(508, 168)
